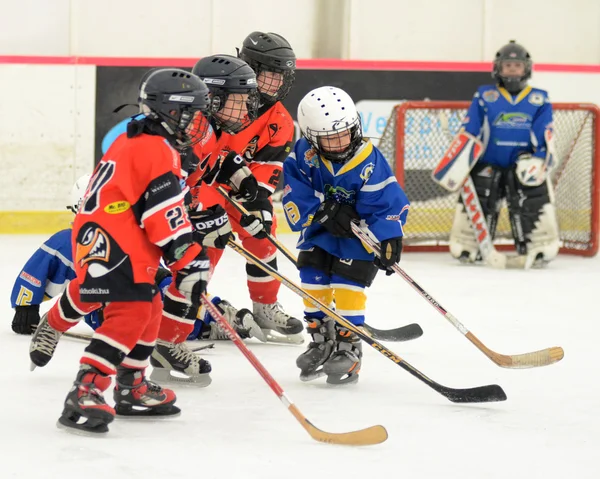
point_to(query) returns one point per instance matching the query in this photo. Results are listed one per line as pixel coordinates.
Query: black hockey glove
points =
(336, 218)
(211, 226)
(260, 220)
(390, 254)
(192, 280)
(26, 319)
(233, 171)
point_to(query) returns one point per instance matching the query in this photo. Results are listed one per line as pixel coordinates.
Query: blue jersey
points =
(366, 182)
(510, 125)
(46, 273)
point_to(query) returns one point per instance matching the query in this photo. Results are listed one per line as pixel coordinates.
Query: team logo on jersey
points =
(491, 95)
(367, 171)
(513, 120)
(95, 248)
(250, 150)
(117, 207)
(536, 99)
(311, 158)
(339, 194)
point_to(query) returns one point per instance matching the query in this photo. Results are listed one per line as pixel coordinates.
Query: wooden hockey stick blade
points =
(403, 333)
(543, 357)
(480, 394)
(363, 437)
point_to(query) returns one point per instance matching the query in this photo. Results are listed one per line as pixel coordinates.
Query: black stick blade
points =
(404, 333)
(490, 393)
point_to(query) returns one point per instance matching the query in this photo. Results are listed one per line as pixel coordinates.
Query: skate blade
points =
(81, 429)
(166, 376)
(32, 366)
(275, 337)
(311, 376)
(147, 414)
(344, 380)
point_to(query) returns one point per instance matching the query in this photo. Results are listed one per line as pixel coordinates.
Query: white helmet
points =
(77, 193)
(325, 111)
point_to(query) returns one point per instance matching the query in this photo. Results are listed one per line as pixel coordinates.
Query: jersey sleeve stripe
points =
(59, 255)
(378, 186)
(175, 235)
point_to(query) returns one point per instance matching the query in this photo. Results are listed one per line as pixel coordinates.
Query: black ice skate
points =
(271, 317)
(86, 401)
(319, 350)
(344, 364)
(175, 363)
(135, 396)
(242, 321)
(43, 343)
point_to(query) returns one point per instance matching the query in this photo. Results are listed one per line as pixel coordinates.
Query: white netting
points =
(428, 130)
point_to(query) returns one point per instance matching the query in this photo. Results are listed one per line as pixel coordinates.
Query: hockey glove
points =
(390, 254)
(530, 170)
(26, 319)
(233, 171)
(260, 220)
(192, 280)
(336, 218)
(212, 227)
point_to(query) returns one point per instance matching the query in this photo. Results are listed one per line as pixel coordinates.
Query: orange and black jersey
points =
(132, 214)
(264, 144)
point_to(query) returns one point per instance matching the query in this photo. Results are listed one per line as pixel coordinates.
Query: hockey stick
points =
(364, 437)
(88, 337)
(534, 359)
(487, 393)
(403, 333)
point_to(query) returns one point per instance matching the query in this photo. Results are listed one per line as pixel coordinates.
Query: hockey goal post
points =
(419, 132)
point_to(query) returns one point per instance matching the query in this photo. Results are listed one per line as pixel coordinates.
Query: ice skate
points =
(271, 317)
(176, 363)
(242, 321)
(86, 401)
(343, 365)
(319, 350)
(135, 396)
(43, 343)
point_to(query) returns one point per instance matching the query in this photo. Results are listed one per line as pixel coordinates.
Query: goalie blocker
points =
(531, 212)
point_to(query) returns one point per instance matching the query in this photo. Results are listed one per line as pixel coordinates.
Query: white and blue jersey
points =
(510, 125)
(366, 182)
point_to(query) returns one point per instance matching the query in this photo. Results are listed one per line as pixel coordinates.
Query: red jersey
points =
(264, 144)
(132, 214)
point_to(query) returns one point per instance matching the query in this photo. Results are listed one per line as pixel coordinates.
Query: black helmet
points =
(272, 53)
(512, 52)
(172, 97)
(225, 75)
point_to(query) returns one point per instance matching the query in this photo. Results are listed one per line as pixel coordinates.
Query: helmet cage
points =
(314, 137)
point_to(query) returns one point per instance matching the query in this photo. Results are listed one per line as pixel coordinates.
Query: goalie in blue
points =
(514, 123)
(335, 177)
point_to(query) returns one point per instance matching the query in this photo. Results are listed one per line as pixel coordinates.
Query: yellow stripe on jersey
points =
(362, 155)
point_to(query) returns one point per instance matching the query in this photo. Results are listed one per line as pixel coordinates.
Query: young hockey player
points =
(132, 214)
(335, 177)
(47, 273)
(264, 144)
(514, 123)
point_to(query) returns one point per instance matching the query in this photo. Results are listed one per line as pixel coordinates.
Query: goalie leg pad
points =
(534, 208)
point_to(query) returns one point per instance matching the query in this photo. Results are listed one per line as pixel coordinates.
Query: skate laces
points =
(182, 353)
(278, 314)
(47, 339)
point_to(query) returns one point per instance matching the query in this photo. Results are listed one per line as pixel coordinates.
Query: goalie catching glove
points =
(233, 171)
(390, 254)
(211, 226)
(336, 218)
(259, 221)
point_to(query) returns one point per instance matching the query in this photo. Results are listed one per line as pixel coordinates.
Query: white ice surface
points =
(236, 428)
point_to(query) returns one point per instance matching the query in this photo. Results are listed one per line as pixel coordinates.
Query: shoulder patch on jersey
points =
(311, 157)
(250, 150)
(367, 171)
(273, 128)
(117, 207)
(536, 99)
(491, 95)
(30, 279)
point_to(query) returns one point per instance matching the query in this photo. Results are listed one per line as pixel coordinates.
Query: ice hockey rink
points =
(236, 428)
